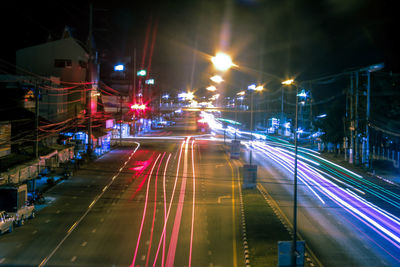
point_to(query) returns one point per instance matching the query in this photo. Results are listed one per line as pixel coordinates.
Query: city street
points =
(174, 201)
(150, 204)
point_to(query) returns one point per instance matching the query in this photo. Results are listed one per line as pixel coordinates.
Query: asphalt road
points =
(153, 203)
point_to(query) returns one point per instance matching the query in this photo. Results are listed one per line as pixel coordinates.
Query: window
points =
(82, 64)
(62, 63)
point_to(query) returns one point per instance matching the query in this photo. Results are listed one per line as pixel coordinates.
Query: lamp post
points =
(252, 88)
(240, 94)
(294, 240)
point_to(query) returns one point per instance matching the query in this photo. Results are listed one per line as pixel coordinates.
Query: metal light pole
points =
(294, 250)
(252, 88)
(251, 124)
(294, 240)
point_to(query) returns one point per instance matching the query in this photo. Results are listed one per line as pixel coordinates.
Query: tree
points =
(332, 124)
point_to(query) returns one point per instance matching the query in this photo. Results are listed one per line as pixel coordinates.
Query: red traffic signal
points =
(138, 107)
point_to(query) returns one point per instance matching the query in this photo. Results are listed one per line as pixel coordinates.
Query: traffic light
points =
(138, 107)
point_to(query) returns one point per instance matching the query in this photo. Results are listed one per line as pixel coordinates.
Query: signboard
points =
(285, 253)
(235, 149)
(249, 176)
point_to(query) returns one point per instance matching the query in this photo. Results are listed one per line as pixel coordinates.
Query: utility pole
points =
(367, 159)
(281, 122)
(36, 145)
(134, 77)
(120, 120)
(351, 154)
(356, 152)
(89, 78)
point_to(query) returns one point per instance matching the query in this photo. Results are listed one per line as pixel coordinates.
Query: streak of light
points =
(154, 210)
(178, 215)
(165, 208)
(194, 199)
(163, 235)
(144, 212)
(378, 220)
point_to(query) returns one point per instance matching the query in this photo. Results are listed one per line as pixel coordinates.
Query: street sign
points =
(249, 176)
(235, 149)
(285, 253)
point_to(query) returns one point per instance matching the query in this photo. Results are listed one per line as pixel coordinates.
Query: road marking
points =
(233, 216)
(72, 227)
(91, 204)
(58, 211)
(143, 257)
(2, 260)
(94, 230)
(47, 221)
(224, 197)
(45, 260)
(209, 252)
(73, 258)
(34, 232)
(219, 165)
(84, 244)
(74, 197)
(210, 264)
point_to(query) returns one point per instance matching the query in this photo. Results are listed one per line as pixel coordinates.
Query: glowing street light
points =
(259, 88)
(217, 79)
(211, 88)
(288, 82)
(241, 93)
(222, 61)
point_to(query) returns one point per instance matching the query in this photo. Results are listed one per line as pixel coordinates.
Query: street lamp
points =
(222, 61)
(217, 79)
(211, 88)
(259, 88)
(294, 241)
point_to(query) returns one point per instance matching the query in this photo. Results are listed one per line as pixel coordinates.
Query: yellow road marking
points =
(233, 217)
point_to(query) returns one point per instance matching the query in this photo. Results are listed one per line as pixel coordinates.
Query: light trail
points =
(165, 208)
(154, 211)
(163, 235)
(178, 216)
(144, 212)
(194, 199)
(380, 221)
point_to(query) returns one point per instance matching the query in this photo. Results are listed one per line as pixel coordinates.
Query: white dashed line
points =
(84, 244)
(34, 232)
(94, 230)
(73, 258)
(47, 221)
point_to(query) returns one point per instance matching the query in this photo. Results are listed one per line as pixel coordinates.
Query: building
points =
(65, 61)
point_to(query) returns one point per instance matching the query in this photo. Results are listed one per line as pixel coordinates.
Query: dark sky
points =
(269, 40)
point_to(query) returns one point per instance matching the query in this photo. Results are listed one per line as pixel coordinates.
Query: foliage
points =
(332, 124)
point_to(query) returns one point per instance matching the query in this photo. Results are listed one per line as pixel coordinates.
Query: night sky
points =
(269, 40)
